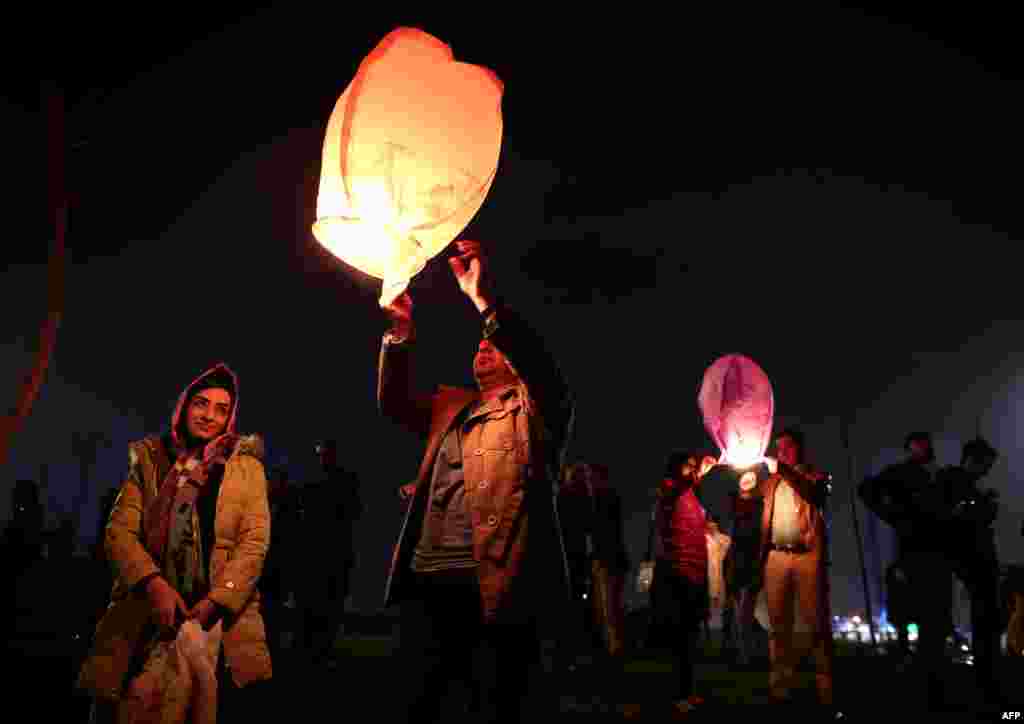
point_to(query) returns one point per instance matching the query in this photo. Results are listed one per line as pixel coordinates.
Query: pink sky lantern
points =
(736, 401)
(410, 153)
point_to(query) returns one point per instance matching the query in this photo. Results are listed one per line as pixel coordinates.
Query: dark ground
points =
(42, 660)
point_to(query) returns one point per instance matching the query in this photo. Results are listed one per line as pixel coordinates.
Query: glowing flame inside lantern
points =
(740, 452)
(738, 407)
(410, 152)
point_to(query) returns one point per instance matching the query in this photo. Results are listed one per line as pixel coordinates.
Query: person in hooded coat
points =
(186, 538)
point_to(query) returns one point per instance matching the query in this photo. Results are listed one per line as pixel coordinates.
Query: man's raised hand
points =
(400, 314)
(470, 270)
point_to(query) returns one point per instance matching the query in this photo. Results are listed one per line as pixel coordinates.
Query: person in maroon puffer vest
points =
(679, 591)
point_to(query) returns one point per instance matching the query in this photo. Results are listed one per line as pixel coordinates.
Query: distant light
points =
(584, 597)
(965, 647)
(856, 619)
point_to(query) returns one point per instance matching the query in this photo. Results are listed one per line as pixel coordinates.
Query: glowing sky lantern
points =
(738, 407)
(410, 153)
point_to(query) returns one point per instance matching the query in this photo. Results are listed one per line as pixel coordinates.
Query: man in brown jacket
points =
(793, 571)
(480, 553)
(187, 537)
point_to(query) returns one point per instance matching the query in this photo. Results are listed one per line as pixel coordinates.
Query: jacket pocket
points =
(503, 527)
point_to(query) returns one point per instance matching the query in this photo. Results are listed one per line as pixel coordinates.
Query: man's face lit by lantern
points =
(787, 451)
(490, 367)
(208, 413)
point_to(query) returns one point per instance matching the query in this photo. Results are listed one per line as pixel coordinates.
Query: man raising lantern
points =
(793, 571)
(479, 556)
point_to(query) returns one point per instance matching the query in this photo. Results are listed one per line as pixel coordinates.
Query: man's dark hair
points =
(797, 436)
(978, 449)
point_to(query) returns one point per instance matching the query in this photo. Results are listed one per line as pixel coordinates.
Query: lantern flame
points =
(410, 153)
(741, 453)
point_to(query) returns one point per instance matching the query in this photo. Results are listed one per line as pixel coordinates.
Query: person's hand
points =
(400, 314)
(406, 491)
(470, 270)
(206, 613)
(165, 602)
(772, 465)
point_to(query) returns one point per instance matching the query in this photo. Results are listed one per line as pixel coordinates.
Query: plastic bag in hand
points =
(198, 651)
(718, 548)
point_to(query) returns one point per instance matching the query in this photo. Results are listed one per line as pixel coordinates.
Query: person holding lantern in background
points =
(679, 592)
(479, 561)
(793, 571)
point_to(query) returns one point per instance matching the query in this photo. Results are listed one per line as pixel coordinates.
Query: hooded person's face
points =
(208, 413)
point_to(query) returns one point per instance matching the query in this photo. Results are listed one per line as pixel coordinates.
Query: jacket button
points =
(230, 584)
(482, 485)
(492, 520)
(478, 451)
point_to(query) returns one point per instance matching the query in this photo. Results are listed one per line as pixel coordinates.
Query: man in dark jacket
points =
(900, 495)
(479, 561)
(331, 506)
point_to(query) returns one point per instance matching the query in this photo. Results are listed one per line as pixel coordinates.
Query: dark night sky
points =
(833, 194)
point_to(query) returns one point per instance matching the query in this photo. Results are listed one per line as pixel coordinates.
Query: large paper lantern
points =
(410, 153)
(736, 401)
